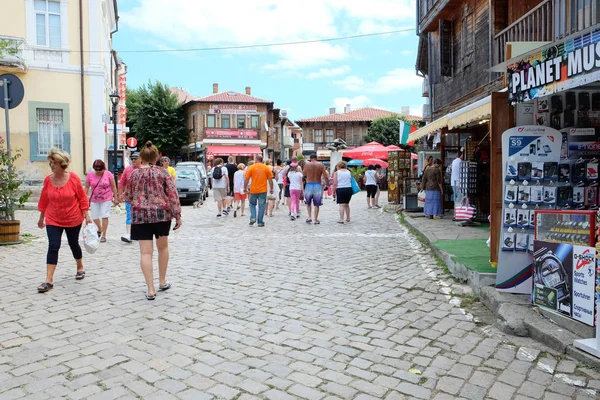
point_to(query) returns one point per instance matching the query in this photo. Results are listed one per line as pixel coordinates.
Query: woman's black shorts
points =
(148, 231)
(343, 195)
(371, 190)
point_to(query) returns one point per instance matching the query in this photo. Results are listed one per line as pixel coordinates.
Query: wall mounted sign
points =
(237, 134)
(565, 65)
(233, 109)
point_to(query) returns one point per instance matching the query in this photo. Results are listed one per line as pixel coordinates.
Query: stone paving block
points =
(278, 395)
(414, 390)
(512, 378)
(449, 385)
(193, 394)
(253, 387)
(170, 385)
(473, 392)
(501, 391)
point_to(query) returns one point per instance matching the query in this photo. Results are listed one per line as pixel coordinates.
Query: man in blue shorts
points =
(314, 172)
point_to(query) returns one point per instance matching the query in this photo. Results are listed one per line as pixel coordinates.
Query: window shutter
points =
(445, 48)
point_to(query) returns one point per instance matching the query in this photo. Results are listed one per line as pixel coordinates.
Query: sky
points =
(305, 79)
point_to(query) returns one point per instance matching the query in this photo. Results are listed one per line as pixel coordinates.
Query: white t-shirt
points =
(455, 171)
(344, 179)
(238, 181)
(370, 175)
(295, 180)
(280, 176)
(220, 183)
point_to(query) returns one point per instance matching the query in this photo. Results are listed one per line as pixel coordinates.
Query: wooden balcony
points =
(535, 26)
(12, 57)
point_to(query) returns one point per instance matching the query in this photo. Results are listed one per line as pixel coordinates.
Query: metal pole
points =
(6, 106)
(115, 144)
(281, 156)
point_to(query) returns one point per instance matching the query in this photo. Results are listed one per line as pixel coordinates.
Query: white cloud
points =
(352, 83)
(355, 102)
(393, 81)
(328, 72)
(186, 23)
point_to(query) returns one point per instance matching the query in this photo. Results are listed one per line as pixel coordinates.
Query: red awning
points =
(233, 150)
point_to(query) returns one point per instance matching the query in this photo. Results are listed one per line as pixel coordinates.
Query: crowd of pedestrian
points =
(148, 189)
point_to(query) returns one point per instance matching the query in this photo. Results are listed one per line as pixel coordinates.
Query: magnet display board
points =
(530, 155)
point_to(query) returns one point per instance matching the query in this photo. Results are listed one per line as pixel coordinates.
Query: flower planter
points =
(10, 232)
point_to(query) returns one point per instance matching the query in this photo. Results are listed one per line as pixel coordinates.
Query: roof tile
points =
(367, 114)
(231, 97)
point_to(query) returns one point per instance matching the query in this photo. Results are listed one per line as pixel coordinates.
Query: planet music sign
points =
(565, 65)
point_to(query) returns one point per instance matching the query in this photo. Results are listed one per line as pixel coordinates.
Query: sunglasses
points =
(98, 169)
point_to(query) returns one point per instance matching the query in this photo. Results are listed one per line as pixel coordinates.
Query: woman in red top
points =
(63, 206)
(154, 203)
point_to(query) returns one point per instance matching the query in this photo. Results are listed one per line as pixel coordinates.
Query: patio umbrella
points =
(375, 161)
(355, 163)
(369, 150)
(393, 147)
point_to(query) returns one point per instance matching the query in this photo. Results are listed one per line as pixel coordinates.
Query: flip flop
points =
(44, 287)
(80, 275)
(148, 297)
(165, 287)
(308, 221)
(341, 222)
(317, 222)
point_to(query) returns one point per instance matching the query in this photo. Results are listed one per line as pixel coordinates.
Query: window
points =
(329, 136)
(318, 136)
(193, 124)
(468, 36)
(241, 121)
(50, 130)
(210, 121)
(47, 23)
(225, 121)
(255, 121)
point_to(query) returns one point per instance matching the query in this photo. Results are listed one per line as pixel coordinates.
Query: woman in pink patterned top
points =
(154, 203)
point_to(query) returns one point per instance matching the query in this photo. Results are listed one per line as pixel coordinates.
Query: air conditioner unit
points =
(283, 113)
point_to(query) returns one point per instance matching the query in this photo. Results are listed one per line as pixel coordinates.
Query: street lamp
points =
(114, 99)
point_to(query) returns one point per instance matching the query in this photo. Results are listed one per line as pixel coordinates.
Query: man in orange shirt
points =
(260, 175)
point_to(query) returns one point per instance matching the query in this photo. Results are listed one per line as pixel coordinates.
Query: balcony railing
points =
(12, 57)
(535, 26)
(424, 7)
(571, 16)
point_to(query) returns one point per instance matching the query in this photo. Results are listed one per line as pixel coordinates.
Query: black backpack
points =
(217, 173)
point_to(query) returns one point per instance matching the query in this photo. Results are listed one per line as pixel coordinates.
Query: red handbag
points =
(464, 210)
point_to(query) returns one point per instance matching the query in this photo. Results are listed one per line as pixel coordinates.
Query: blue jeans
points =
(262, 203)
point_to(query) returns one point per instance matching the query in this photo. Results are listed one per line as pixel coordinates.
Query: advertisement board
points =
(233, 109)
(572, 63)
(564, 279)
(530, 156)
(237, 134)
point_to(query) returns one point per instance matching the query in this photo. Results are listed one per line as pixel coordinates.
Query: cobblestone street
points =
(289, 311)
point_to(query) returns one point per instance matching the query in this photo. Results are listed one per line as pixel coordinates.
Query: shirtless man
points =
(314, 172)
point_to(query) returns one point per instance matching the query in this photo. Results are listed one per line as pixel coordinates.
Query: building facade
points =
(47, 45)
(227, 124)
(351, 126)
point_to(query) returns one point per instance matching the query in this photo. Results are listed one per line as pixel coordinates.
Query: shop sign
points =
(237, 134)
(233, 109)
(308, 147)
(324, 153)
(582, 132)
(565, 65)
(564, 276)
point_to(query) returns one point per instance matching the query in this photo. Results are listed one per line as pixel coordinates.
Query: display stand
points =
(398, 169)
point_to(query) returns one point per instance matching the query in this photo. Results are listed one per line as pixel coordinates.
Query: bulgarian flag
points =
(405, 131)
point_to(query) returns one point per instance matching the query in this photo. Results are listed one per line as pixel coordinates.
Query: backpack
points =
(217, 173)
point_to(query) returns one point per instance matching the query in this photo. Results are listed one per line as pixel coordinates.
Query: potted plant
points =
(11, 195)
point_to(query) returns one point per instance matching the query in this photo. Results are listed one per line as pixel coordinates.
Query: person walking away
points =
(371, 185)
(272, 197)
(154, 204)
(103, 194)
(135, 163)
(63, 206)
(231, 170)
(379, 175)
(433, 183)
(220, 184)
(239, 191)
(342, 185)
(314, 172)
(455, 175)
(286, 183)
(165, 162)
(296, 189)
(261, 177)
(279, 176)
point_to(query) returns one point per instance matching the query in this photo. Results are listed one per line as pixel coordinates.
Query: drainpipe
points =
(82, 76)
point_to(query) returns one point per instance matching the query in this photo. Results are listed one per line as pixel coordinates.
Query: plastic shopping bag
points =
(91, 241)
(421, 199)
(355, 187)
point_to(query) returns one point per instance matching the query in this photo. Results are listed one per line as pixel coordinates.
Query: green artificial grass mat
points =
(473, 254)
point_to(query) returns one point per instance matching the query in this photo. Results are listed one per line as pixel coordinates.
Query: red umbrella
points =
(393, 147)
(375, 161)
(369, 150)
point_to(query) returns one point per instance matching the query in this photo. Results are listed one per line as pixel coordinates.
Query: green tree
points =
(385, 130)
(154, 113)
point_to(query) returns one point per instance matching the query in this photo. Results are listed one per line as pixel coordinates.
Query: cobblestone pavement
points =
(290, 311)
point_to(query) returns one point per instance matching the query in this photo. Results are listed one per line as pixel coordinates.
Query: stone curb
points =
(516, 315)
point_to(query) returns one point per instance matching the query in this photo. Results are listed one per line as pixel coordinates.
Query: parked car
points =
(190, 187)
(203, 174)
